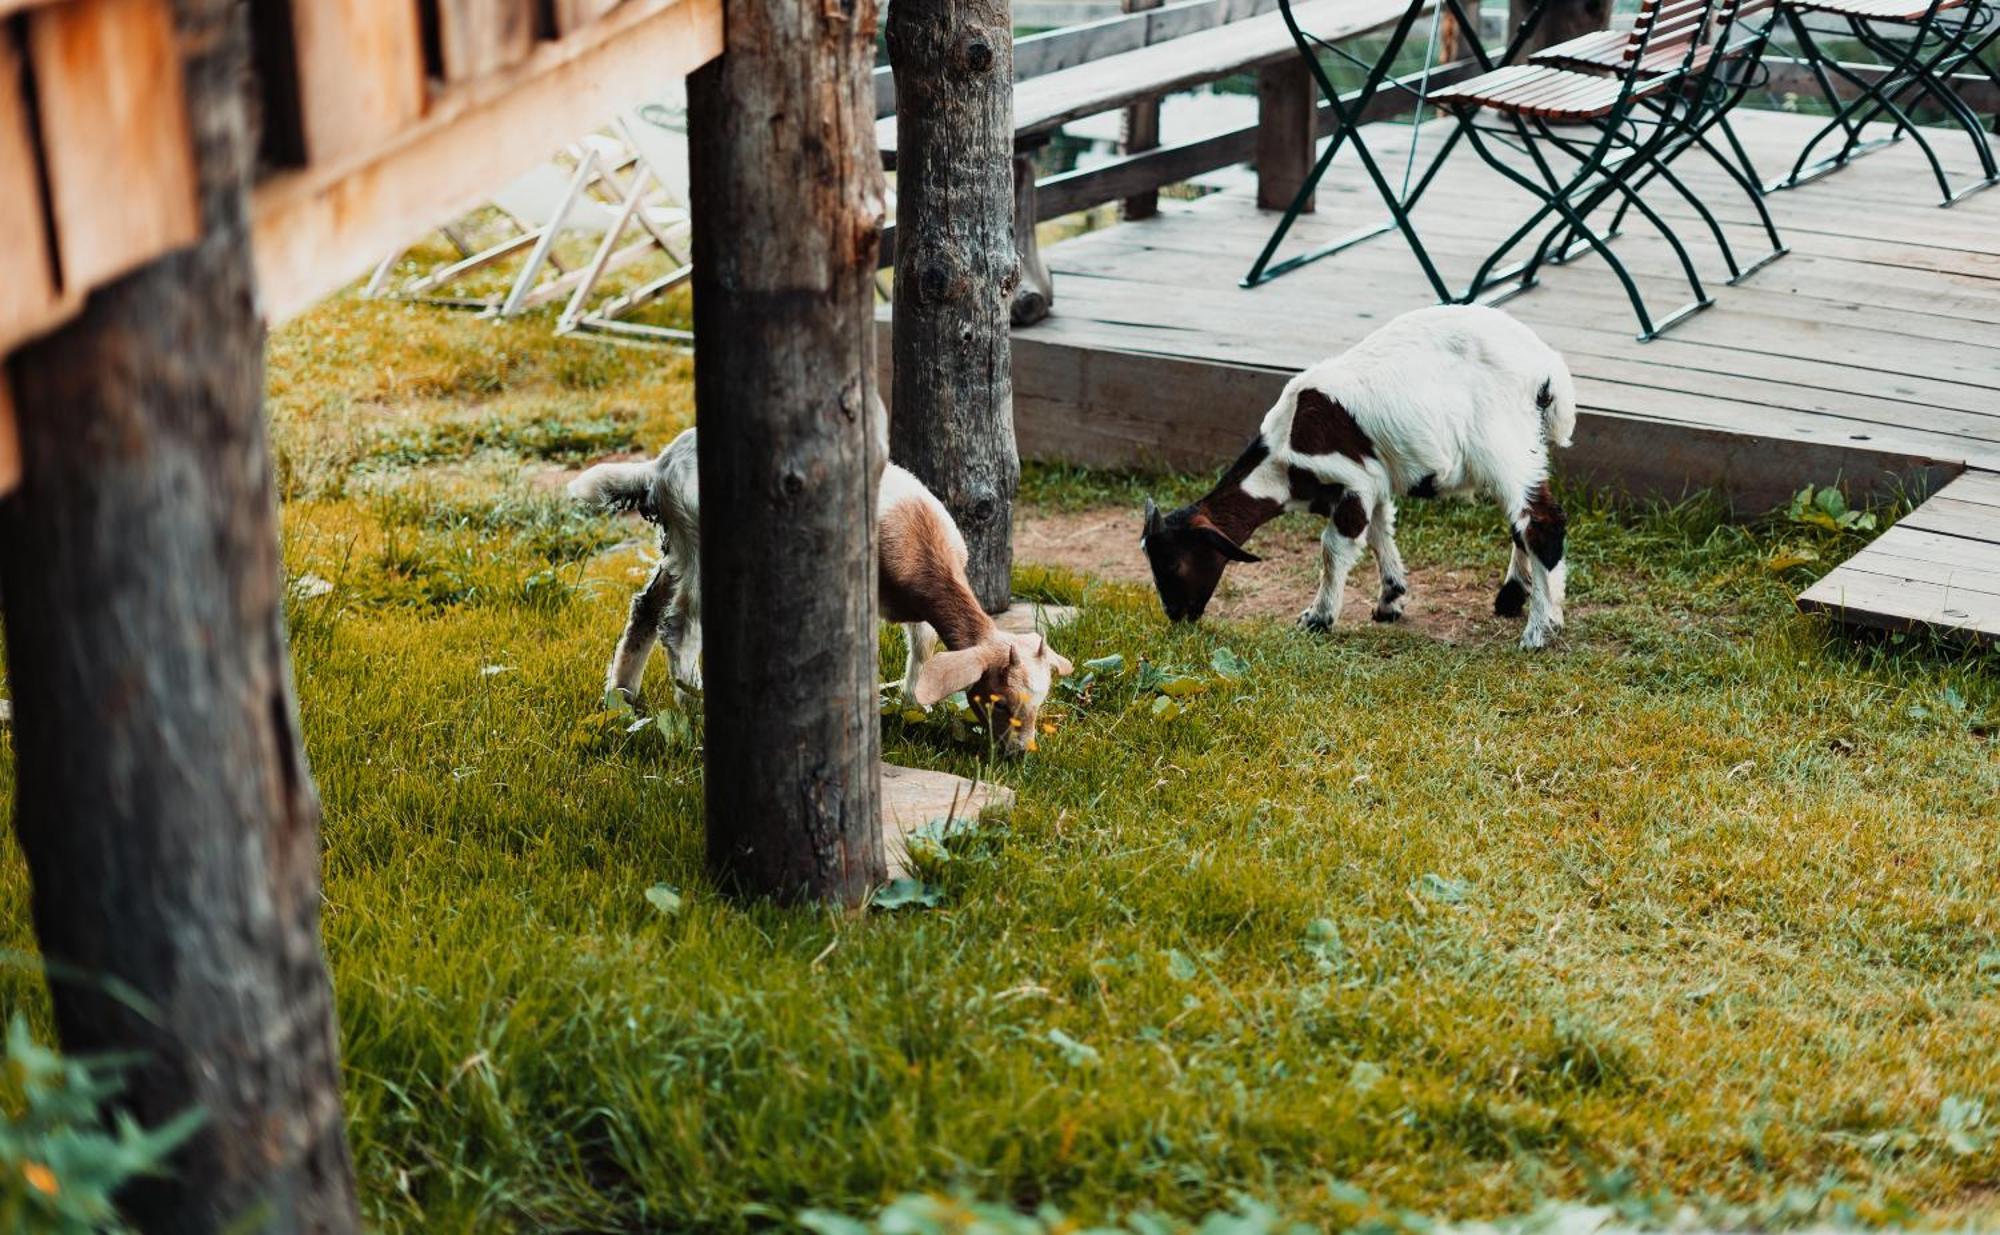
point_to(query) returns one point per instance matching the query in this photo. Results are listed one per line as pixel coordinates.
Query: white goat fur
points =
(1461, 393)
(1450, 392)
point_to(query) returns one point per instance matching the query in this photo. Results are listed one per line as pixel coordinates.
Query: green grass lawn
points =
(1703, 907)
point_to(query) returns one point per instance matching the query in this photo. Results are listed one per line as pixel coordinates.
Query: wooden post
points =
(1287, 131)
(1142, 132)
(1453, 44)
(1035, 295)
(163, 804)
(956, 270)
(1561, 20)
(787, 200)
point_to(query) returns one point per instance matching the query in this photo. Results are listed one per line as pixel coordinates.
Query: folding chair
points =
(541, 207)
(654, 197)
(1938, 39)
(1663, 99)
(1742, 47)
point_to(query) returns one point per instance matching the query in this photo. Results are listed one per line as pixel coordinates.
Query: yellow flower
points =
(40, 1178)
(1048, 726)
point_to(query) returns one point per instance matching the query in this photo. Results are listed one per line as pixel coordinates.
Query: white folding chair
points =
(542, 206)
(654, 197)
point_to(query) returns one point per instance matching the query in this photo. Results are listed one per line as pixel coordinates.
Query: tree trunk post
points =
(163, 803)
(1561, 20)
(787, 199)
(1287, 132)
(1142, 132)
(957, 269)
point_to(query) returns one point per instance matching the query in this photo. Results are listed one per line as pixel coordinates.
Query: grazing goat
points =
(1455, 399)
(921, 579)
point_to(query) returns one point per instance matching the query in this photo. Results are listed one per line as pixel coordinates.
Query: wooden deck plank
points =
(1938, 567)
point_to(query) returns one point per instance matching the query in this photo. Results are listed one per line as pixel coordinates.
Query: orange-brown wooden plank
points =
(114, 135)
(477, 37)
(29, 298)
(360, 70)
(571, 15)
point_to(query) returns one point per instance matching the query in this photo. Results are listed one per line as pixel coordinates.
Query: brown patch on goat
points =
(1546, 526)
(922, 576)
(1321, 426)
(1350, 518)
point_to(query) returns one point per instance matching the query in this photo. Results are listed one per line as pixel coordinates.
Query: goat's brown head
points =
(1188, 554)
(1005, 677)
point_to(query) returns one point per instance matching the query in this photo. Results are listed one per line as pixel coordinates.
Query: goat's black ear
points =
(1227, 547)
(1153, 521)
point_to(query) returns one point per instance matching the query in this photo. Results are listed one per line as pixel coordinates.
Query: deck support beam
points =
(163, 802)
(1287, 131)
(1142, 132)
(787, 205)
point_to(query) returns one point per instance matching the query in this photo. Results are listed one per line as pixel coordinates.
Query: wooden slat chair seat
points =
(1543, 92)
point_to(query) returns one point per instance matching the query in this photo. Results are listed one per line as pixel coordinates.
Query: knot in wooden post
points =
(978, 54)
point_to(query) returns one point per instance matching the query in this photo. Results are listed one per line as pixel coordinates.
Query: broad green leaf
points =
(1166, 708)
(1114, 663)
(1078, 1054)
(1181, 687)
(1229, 664)
(664, 898)
(907, 893)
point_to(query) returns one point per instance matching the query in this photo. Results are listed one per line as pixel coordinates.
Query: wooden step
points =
(1938, 569)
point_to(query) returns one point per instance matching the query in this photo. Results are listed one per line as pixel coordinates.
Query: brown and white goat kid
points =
(1456, 399)
(921, 579)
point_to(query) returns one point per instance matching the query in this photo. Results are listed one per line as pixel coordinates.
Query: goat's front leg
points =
(1539, 532)
(1512, 600)
(1389, 560)
(923, 643)
(642, 627)
(1340, 547)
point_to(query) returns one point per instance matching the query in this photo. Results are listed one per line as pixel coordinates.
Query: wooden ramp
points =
(1869, 356)
(1938, 567)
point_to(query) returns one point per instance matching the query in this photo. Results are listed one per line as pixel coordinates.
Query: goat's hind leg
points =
(1540, 529)
(923, 643)
(1340, 547)
(642, 627)
(1389, 560)
(680, 628)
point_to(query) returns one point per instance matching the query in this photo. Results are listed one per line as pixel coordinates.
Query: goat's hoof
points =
(1512, 600)
(1387, 613)
(1539, 635)
(1315, 621)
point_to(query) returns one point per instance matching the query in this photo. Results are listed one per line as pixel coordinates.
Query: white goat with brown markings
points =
(921, 580)
(1455, 399)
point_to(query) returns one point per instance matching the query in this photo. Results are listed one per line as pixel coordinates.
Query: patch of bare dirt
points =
(1453, 604)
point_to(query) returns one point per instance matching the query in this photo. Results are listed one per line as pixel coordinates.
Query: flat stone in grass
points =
(912, 797)
(1027, 617)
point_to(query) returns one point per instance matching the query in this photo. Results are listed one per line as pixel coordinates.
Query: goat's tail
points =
(1556, 400)
(625, 488)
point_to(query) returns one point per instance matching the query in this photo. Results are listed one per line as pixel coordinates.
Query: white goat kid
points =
(1456, 399)
(921, 579)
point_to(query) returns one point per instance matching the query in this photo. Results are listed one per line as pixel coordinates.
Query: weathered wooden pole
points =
(787, 200)
(957, 269)
(1562, 19)
(1142, 132)
(163, 804)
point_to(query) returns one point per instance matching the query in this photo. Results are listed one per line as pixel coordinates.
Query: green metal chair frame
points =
(1346, 109)
(1680, 99)
(1743, 72)
(1943, 38)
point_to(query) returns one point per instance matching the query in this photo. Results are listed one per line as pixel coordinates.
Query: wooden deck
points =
(1870, 355)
